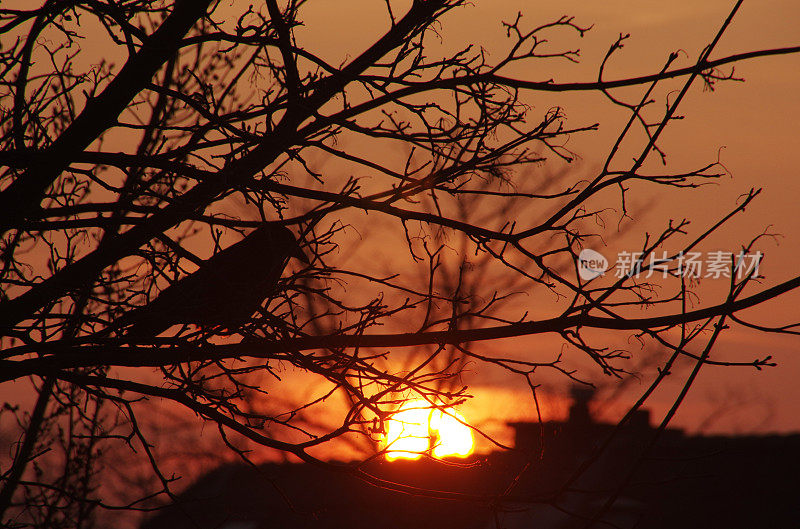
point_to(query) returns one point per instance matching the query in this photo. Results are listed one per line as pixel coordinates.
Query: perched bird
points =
(225, 291)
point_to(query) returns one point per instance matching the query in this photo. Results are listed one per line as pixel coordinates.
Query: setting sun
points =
(418, 428)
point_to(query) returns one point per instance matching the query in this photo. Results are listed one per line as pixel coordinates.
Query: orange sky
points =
(755, 122)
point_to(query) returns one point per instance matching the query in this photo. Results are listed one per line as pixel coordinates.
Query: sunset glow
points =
(417, 428)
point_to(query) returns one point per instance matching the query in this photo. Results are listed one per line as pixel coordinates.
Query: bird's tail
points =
(134, 324)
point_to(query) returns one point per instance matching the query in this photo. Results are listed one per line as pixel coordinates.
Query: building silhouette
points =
(555, 478)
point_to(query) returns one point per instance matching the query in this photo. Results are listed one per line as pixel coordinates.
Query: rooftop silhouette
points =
(554, 478)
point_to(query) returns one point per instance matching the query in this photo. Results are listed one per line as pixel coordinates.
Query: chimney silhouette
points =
(579, 413)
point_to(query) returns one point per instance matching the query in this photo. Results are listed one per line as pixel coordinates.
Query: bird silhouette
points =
(225, 291)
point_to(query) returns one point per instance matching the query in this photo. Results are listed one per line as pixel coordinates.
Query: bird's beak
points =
(300, 255)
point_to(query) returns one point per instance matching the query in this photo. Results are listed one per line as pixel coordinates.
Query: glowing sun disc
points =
(417, 428)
